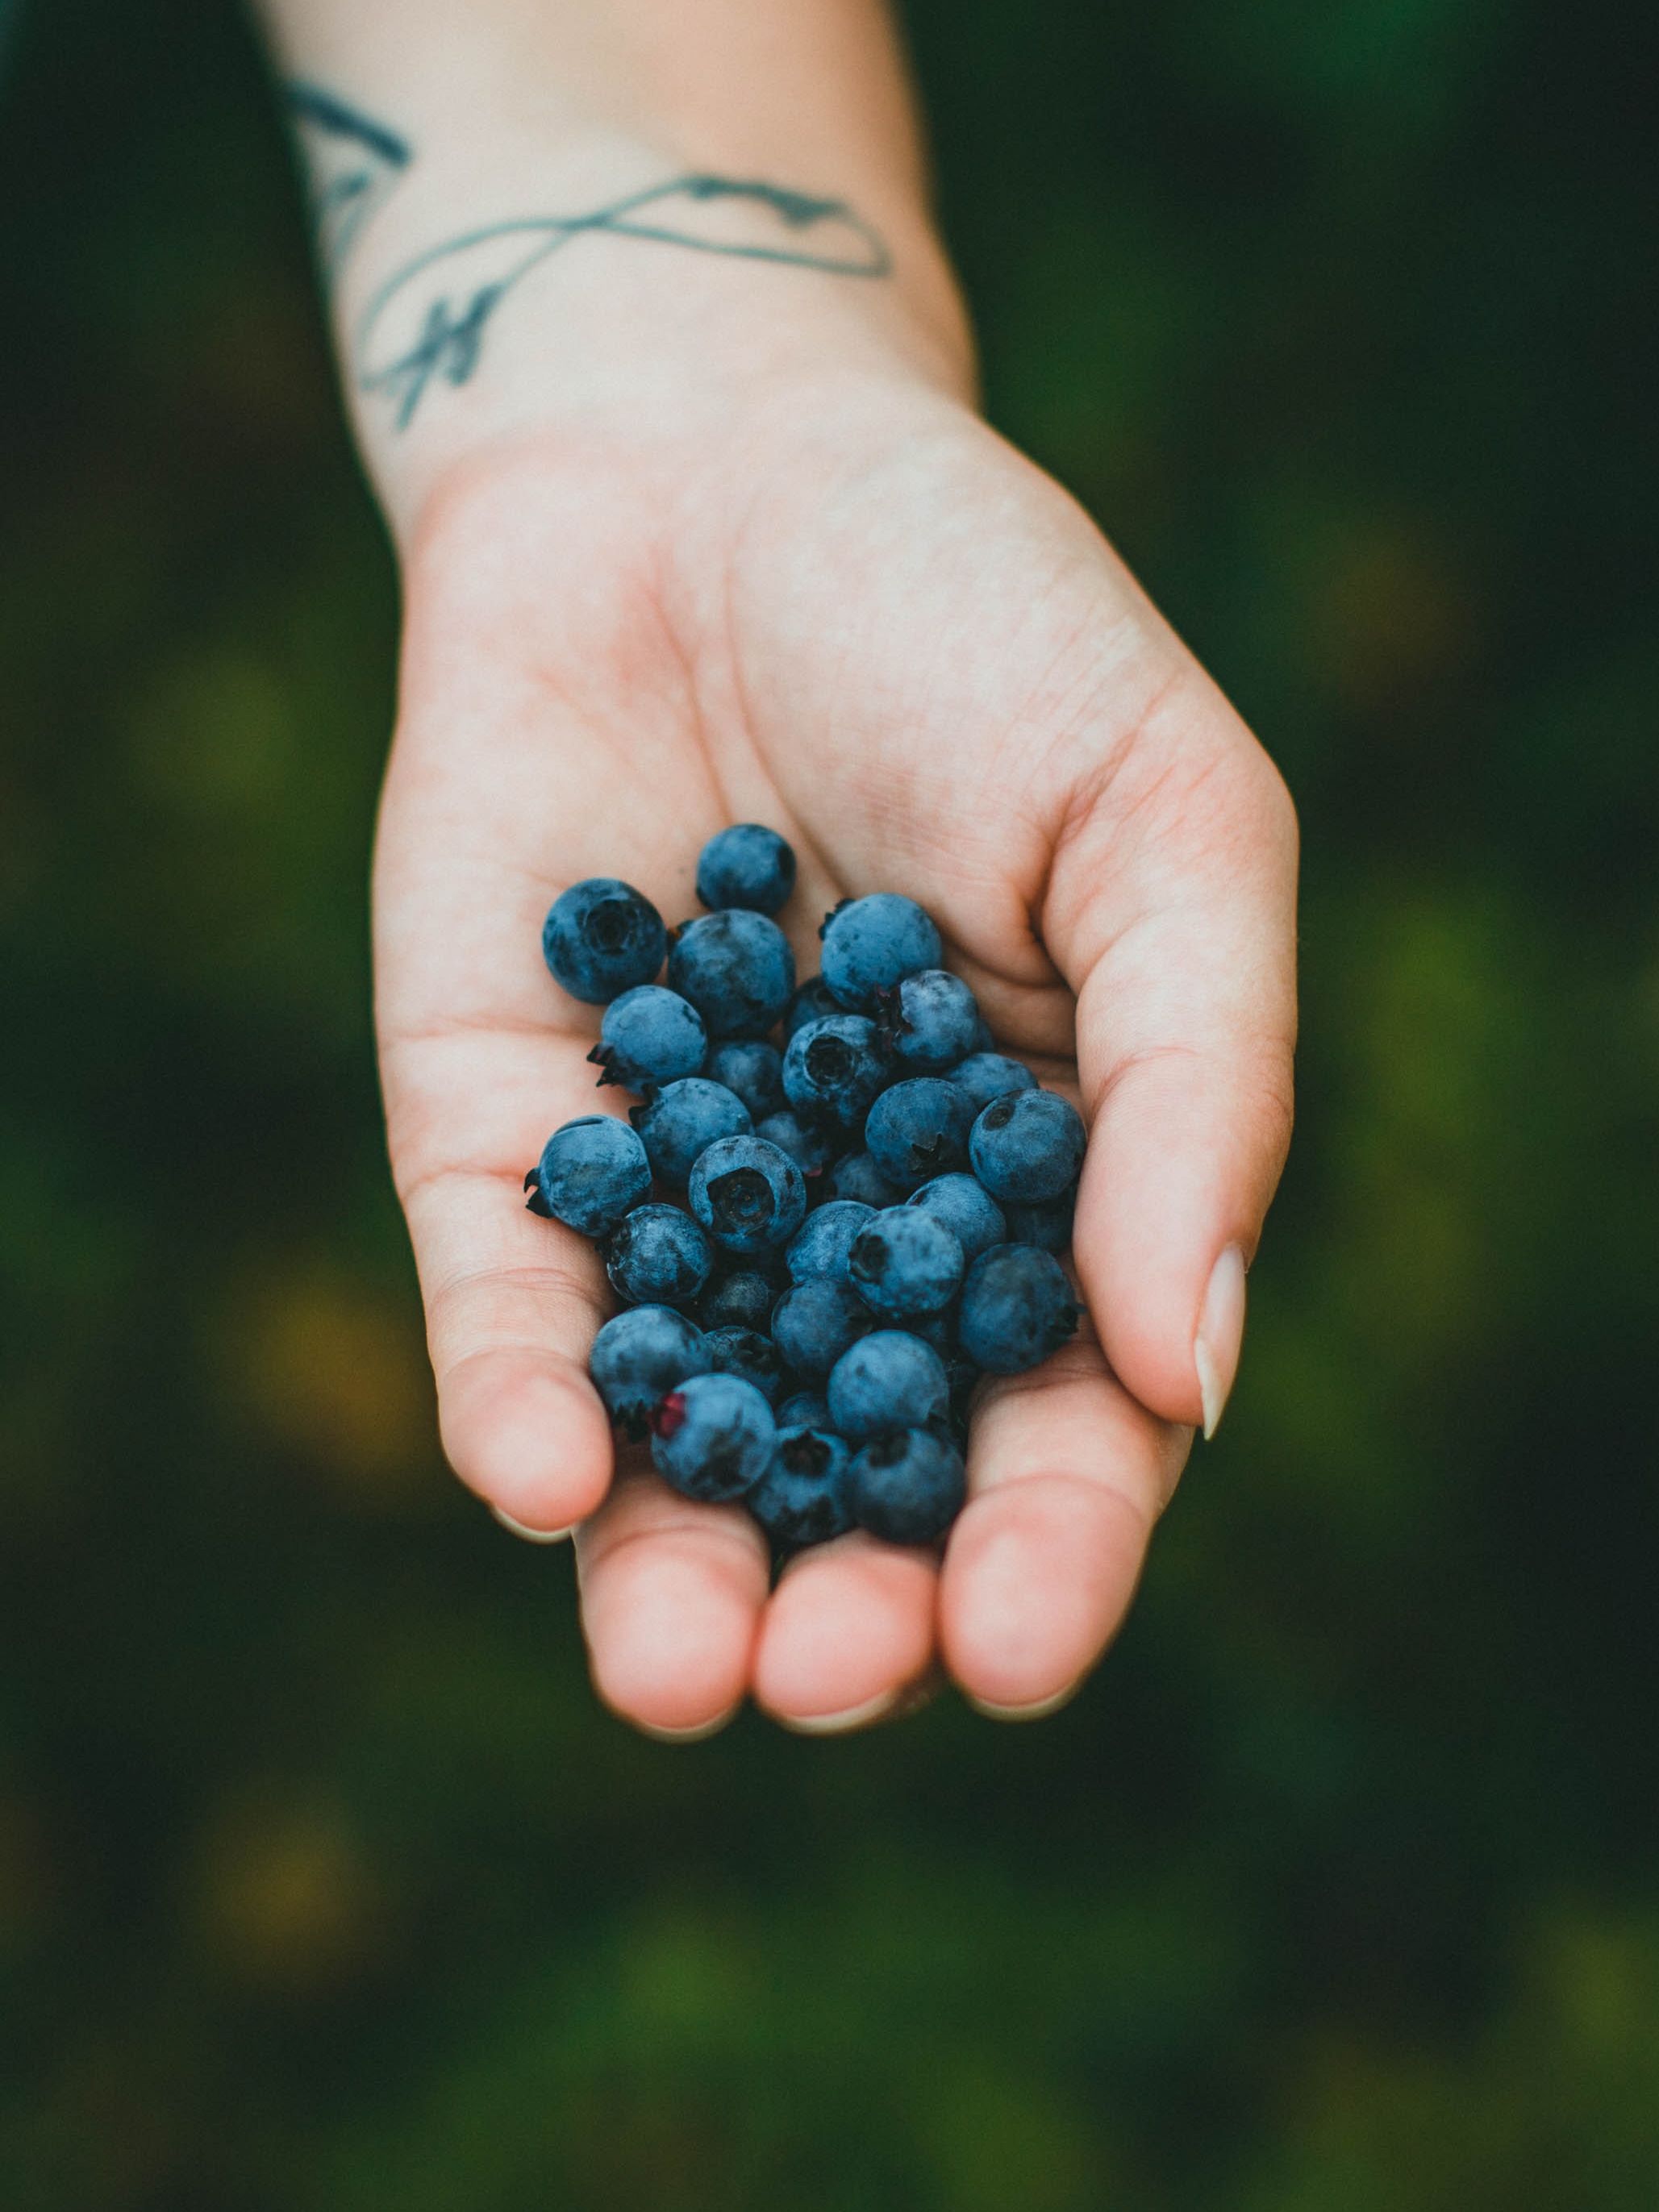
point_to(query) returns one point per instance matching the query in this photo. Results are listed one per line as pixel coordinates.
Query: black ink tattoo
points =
(411, 332)
(353, 162)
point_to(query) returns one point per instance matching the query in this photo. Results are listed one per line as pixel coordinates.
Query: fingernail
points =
(1039, 1711)
(693, 1734)
(852, 1716)
(1220, 1334)
(532, 1535)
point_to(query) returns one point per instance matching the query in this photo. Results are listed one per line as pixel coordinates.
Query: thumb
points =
(1171, 912)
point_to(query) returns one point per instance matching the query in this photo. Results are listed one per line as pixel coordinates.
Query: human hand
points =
(852, 612)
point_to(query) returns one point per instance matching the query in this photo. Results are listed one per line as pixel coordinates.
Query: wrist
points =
(620, 292)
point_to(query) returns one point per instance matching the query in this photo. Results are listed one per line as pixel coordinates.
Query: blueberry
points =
(908, 1488)
(746, 866)
(736, 969)
(753, 1070)
(833, 1069)
(659, 1256)
(811, 1149)
(752, 1354)
(807, 1409)
(889, 1380)
(871, 944)
(748, 1193)
(819, 1247)
(681, 1122)
(712, 1438)
(742, 1299)
(987, 1075)
(649, 1036)
(813, 999)
(639, 1356)
(928, 1021)
(591, 1172)
(919, 1129)
(1017, 1308)
(857, 1176)
(967, 1209)
(1049, 1225)
(802, 1498)
(905, 1262)
(815, 1323)
(602, 937)
(1028, 1146)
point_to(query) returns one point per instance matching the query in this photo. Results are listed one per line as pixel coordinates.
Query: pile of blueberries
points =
(820, 1244)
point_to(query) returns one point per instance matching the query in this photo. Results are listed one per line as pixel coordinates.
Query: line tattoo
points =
(429, 317)
(352, 160)
(411, 332)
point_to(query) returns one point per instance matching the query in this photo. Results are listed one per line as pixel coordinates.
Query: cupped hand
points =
(860, 618)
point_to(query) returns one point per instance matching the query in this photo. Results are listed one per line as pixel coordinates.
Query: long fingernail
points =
(1039, 1711)
(851, 1716)
(1220, 1334)
(532, 1535)
(692, 1735)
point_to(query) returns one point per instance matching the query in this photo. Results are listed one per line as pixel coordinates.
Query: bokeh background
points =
(323, 1887)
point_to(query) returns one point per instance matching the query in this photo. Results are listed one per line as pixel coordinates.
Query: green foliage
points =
(322, 1882)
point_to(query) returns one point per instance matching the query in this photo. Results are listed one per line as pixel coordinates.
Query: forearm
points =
(585, 213)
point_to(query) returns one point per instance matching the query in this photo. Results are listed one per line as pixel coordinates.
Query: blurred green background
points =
(323, 1884)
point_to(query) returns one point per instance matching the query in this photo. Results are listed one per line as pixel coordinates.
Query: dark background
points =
(323, 1883)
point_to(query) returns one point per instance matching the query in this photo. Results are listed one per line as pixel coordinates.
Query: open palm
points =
(872, 626)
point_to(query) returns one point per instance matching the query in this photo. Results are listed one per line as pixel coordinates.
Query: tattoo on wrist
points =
(429, 318)
(352, 162)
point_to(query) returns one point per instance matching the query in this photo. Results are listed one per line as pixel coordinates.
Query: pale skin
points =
(703, 538)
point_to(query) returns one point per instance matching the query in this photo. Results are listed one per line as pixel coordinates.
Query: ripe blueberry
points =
(928, 1021)
(639, 1356)
(1027, 1146)
(602, 937)
(815, 1323)
(658, 1256)
(590, 1173)
(736, 969)
(746, 866)
(802, 1498)
(908, 1487)
(649, 1036)
(712, 1437)
(1017, 1308)
(905, 1262)
(870, 945)
(832, 1069)
(919, 1129)
(888, 1380)
(748, 1193)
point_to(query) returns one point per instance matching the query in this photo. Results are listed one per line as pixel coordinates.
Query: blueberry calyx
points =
(806, 1454)
(740, 1199)
(823, 926)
